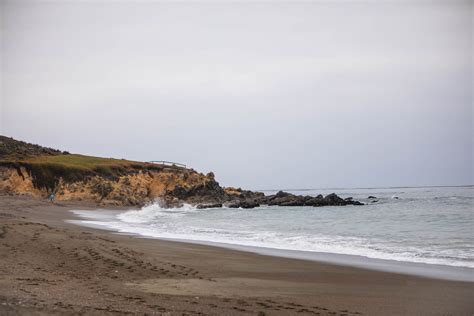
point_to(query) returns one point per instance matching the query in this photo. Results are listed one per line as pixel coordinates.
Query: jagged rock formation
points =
(38, 171)
(249, 199)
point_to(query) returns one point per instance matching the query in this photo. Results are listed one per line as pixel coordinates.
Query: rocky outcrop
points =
(207, 191)
(37, 171)
(135, 188)
(208, 205)
(243, 204)
(281, 198)
(171, 187)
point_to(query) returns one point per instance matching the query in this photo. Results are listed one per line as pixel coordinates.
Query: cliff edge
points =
(37, 171)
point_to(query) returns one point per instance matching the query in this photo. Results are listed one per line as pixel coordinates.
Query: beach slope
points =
(51, 267)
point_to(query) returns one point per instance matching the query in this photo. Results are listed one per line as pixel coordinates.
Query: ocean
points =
(428, 225)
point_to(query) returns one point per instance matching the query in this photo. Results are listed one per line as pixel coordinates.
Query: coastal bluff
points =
(37, 171)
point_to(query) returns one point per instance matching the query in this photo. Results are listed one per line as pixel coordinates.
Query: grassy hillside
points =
(87, 163)
(47, 165)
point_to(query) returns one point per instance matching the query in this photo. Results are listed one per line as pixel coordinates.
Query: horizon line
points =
(367, 188)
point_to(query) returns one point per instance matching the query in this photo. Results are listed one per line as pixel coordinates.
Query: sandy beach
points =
(49, 267)
(236, 158)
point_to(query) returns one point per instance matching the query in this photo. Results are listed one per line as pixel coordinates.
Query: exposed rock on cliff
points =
(37, 171)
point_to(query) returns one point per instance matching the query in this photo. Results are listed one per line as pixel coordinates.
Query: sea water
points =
(431, 225)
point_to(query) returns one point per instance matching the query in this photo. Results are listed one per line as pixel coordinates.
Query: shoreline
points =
(421, 269)
(54, 267)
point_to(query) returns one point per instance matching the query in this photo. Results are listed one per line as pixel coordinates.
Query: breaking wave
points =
(425, 227)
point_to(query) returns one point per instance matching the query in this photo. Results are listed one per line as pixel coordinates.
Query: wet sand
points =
(49, 267)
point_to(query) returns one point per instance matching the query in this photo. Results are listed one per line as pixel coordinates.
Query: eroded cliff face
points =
(37, 171)
(169, 186)
(13, 180)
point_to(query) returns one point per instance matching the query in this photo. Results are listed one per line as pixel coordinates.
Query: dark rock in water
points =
(233, 204)
(371, 197)
(238, 198)
(333, 199)
(249, 204)
(374, 201)
(282, 194)
(293, 202)
(243, 204)
(210, 205)
(350, 201)
(288, 199)
(278, 198)
(317, 201)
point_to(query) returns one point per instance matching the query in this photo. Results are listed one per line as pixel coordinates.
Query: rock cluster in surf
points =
(249, 199)
(30, 169)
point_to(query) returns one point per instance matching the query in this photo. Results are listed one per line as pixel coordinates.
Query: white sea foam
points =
(418, 227)
(154, 211)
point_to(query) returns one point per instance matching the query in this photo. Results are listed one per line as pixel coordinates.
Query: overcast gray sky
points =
(265, 94)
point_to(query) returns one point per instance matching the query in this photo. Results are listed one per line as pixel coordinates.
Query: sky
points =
(267, 95)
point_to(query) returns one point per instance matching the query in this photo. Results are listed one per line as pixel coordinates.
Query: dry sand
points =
(48, 266)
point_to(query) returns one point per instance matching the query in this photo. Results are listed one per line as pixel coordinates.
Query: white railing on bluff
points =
(168, 163)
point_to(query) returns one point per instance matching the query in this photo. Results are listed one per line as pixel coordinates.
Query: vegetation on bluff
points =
(48, 167)
(35, 170)
(46, 170)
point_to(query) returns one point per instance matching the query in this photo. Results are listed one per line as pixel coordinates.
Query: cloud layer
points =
(266, 95)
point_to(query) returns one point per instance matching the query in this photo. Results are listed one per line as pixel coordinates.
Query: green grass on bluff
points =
(84, 162)
(47, 165)
(47, 170)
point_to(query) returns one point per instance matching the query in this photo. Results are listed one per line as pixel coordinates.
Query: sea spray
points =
(430, 225)
(153, 212)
